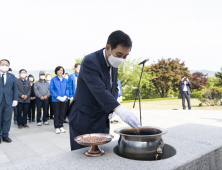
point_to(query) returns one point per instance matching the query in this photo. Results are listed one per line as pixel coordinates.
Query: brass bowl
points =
(94, 149)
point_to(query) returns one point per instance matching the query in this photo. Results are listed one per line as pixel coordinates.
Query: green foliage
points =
(129, 73)
(79, 60)
(218, 75)
(167, 74)
(194, 95)
(211, 97)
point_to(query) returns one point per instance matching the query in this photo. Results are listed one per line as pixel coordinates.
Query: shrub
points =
(194, 95)
(211, 97)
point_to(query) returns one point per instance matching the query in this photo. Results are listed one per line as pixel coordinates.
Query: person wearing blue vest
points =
(72, 81)
(60, 93)
(8, 99)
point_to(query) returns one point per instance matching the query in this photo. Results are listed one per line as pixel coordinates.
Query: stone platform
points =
(198, 147)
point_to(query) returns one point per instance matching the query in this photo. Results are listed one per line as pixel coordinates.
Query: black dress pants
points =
(31, 112)
(22, 118)
(187, 96)
(41, 104)
(59, 112)
(50, 108)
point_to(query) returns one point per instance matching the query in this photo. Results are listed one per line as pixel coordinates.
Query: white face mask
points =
(48, 78)
(9, 72)
(23, 75)
(42, 77)
(4, 68)
(30, 79)
(114, 61)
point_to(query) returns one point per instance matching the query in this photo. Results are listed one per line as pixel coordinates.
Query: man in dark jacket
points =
(24, 90)
(8, 99)
(96, 95)
(185, 91)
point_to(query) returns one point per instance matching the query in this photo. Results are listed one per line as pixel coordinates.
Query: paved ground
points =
(39, 142)
(170, 105)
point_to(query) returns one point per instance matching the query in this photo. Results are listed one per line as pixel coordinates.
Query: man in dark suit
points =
(8, 99)
(185, 91)
(24, 91)
(96, 95)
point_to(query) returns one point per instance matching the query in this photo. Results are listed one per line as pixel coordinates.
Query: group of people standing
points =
(22, 95)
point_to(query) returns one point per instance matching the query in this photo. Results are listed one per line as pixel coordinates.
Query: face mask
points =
(48, 78)
(115, 62)
(23, 75)
(4, 68)
(9, 72)
(30, 79)
(42, 77)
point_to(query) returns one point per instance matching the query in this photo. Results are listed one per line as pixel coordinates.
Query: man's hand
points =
(25, 97)
(182, 78)
(62, 99)
(14, 103)
(128, 117)
(187, 79)
(111, 115)
(42, 98)
(22, 96)
(45, 97)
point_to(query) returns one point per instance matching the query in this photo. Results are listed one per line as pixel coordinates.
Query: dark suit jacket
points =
(10, 89)
(94, 98)
(23, 90)
(182, 87)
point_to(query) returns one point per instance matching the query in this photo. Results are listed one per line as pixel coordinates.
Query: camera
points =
(185, 79)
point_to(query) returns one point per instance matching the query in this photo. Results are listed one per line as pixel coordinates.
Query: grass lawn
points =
(167, 104)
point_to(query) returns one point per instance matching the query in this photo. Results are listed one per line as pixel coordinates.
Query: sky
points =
(43, 34)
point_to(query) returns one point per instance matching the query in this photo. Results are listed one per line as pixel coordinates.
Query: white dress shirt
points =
(5, 77)
(110, 70)
(185, 86)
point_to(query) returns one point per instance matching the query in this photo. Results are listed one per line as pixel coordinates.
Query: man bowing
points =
(8, 99)
(96, 95)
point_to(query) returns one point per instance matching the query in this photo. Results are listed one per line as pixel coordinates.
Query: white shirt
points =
(185, 86)
(5, 77)
(110, 70)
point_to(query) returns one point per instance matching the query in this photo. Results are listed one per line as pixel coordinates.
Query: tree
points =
(218, 75)
(129, 74)
(198, 81)
(167, 74)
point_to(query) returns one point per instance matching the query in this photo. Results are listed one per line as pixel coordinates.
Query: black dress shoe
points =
(25, 126)
(7, 139)
(20, 126)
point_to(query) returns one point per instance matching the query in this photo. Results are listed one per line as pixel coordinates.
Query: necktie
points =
(3, 79)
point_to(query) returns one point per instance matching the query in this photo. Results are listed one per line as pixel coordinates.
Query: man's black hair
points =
(76, 65)
(58, 68)
(119, 37)
(22, 70)
(9, 69)
(5, 60)
(184, 76)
